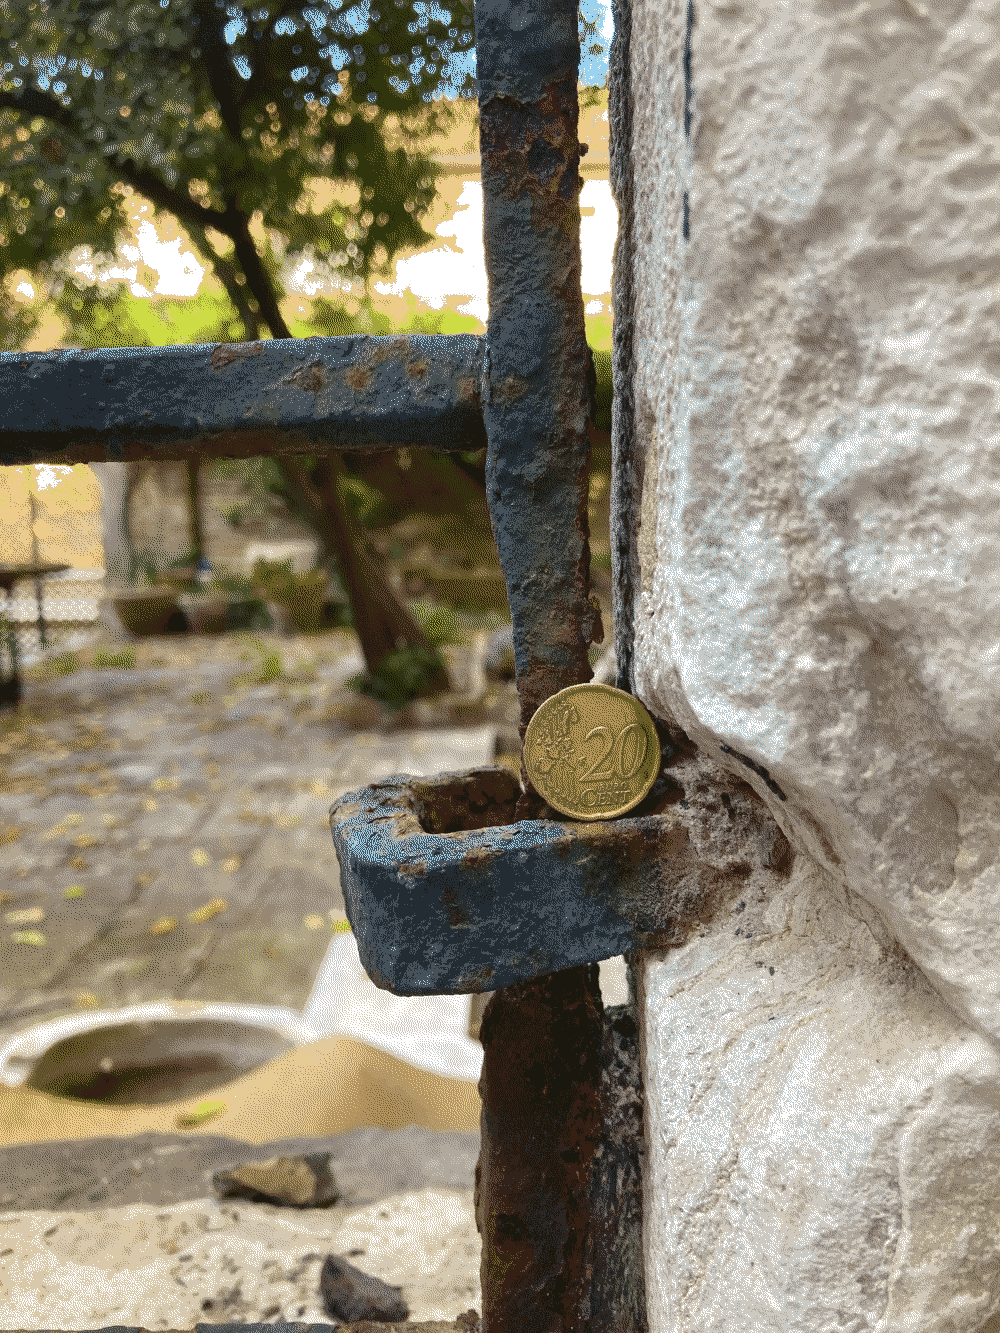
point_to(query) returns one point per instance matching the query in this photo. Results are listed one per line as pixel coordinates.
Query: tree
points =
(224, 115)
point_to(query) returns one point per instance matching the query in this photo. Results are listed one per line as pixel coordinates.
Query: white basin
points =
(162, 1051)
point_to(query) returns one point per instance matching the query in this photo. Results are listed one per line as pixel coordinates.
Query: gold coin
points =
(592, 751)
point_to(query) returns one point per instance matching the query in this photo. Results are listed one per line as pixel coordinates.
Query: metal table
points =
(10, 683)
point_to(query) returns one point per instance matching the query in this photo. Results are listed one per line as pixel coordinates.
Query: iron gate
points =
(558, 1197)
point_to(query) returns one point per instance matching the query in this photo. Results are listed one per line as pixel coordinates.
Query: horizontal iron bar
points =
(235, 400)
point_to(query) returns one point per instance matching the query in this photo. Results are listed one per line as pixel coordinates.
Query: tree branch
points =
(257, 83)
(33, 102)
(226, 273)
(218, 67)
(258, 281)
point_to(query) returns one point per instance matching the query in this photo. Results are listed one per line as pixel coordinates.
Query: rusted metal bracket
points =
(447, 893)
(561, 1094)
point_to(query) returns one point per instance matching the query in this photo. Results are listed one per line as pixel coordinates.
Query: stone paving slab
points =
(164, 831)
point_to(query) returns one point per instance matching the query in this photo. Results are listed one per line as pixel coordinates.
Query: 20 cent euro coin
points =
(592, 751)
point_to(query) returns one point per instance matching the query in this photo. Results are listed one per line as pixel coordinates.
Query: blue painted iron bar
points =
(235, 400)
(543, 1040)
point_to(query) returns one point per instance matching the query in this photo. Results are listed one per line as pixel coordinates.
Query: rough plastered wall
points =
(816, 385)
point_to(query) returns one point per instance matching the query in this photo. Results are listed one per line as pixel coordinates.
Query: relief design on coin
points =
(592, 751)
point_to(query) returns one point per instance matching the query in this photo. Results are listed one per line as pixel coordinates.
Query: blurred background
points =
(344, 169)
(197, 658)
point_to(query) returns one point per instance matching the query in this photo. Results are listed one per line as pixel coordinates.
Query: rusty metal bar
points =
(542, 1039)
(281, 395)
(447, 894)
(536, 389)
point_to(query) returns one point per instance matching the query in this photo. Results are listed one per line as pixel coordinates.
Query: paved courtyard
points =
(164, 828)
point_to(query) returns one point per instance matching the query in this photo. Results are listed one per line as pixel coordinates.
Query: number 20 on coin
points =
(592, 751)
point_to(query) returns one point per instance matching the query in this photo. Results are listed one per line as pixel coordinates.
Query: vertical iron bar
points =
(542, 1040)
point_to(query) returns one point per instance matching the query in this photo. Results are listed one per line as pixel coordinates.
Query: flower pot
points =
(146, 610)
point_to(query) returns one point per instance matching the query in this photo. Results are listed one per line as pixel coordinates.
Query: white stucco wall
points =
(817, 397)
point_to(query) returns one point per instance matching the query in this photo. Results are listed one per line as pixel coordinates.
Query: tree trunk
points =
(381, 620)
(196, 527)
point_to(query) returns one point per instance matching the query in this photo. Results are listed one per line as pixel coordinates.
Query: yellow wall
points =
(68, 525)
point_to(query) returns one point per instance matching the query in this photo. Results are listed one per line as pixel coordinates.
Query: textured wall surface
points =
(822, 1130)
(816, 390)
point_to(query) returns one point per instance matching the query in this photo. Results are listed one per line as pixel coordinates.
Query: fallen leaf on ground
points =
(27, 937)
(161, 927)
(8, 834)
(211, 909)
(199, 857)
(74, 891)
(313, 922)
(202, 1112)
(231, 865)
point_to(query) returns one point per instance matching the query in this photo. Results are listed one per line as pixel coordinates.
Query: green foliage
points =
(402, 676)
(274, 577)
(57, 664)
(439, 624)
(123, 661)
(239, 584)
(220, 113)
(18, 320)
(602, 364)
(270, 669)
(302, 595)
(64, 664)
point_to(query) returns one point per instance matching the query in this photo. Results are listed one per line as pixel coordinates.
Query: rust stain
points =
(477, 977)
(533, 1200)
(535, 148)
(416, 369)
(411, 869)
(468, 389)
(226, 353)
(512, 388)
(359, 378)
(311, 378)
(458, 917)
(477, 854)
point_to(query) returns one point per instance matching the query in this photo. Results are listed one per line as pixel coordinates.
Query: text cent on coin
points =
(592, 751)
